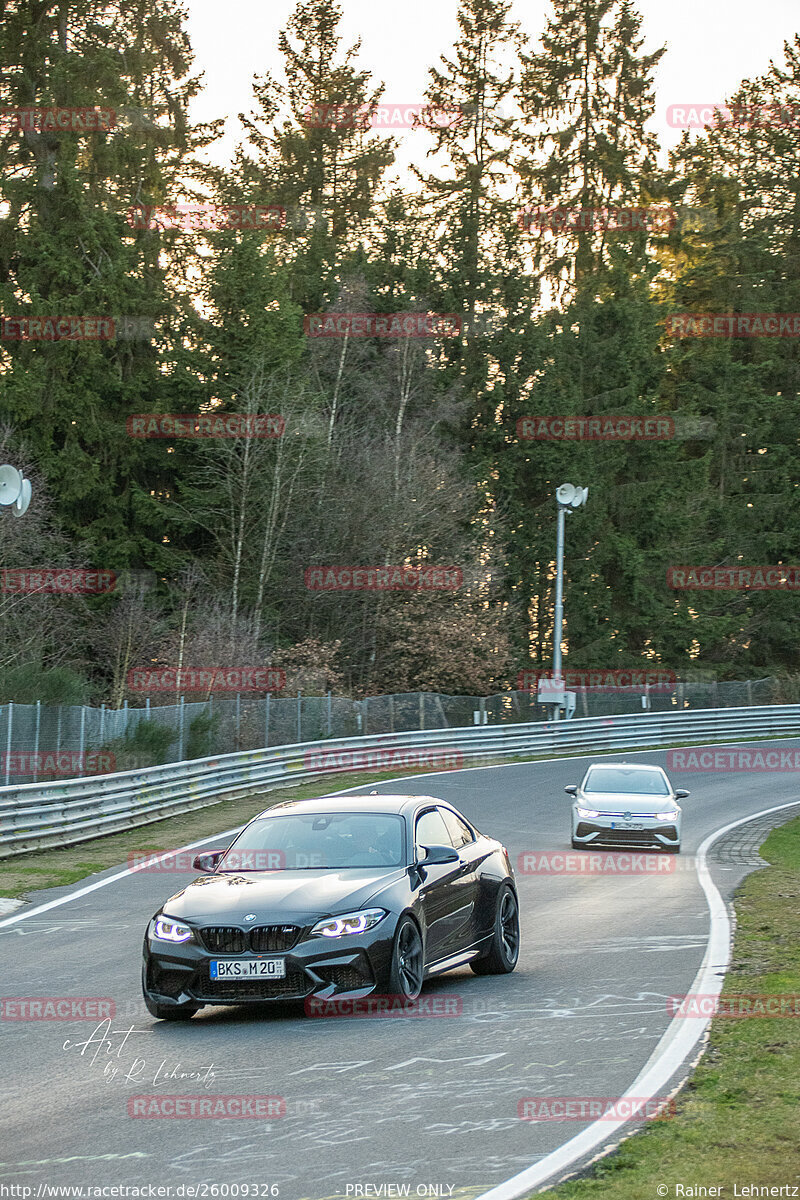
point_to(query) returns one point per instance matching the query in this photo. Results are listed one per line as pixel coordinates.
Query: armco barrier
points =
(34, 816)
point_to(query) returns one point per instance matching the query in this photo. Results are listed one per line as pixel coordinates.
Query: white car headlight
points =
(589, 812)
(668, 816)
(167, 930)
(355, 922)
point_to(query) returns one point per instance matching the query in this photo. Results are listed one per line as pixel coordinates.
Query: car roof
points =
(628, 766)
(400, 804)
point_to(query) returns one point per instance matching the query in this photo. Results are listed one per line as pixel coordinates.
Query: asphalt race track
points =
(429, 1103)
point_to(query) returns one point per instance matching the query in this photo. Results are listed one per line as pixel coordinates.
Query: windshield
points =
(320, 841)
(618, 779)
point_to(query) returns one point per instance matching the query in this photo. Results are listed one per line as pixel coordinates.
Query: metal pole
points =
(266, 722)
(83, 735)
(559, 615)
(558, 623)
(238, 720)
(8, 739)
(36, 741)
(329, 714)
(180, 732)
(299, 720)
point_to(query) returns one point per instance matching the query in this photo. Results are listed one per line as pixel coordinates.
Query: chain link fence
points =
(39, 742)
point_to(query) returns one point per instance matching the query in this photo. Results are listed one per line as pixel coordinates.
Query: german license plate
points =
(626, 825)
(250, 968)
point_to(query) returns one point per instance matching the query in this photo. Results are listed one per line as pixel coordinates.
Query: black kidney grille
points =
(266, 938)
(224, 939)
(263, 939)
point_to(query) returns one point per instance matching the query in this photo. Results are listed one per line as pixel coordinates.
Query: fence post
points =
(422, 710)
(266, 722)
(82, 746)
(8, 739)
(58, 732)
(147, 707)
(365, 709)
(180, 732)
(36, 742)
(102, 722)
(329, 714)
(299, 719)
(238, 720)
(391, 713)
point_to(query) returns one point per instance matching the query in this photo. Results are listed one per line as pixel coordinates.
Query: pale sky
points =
(711, 46)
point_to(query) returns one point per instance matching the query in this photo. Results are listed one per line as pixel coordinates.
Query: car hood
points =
(622, 802)
(275, 896)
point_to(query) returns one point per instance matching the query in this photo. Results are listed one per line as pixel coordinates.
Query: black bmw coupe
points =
(341, 896)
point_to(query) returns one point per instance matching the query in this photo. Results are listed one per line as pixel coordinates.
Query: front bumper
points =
(320, 967)
(602, 832)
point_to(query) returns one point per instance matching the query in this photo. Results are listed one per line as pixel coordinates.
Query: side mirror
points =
(681, 793)
(434, 855)
(207, 861)
(571, 789)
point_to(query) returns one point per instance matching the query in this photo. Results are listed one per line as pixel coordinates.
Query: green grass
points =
(738, 1118)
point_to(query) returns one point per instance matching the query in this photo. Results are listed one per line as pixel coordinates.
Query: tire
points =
(407, 971)
(503, 953)
(170, 1012)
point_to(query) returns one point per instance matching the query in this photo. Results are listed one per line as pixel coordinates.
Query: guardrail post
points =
(8, 739)
(36, 741)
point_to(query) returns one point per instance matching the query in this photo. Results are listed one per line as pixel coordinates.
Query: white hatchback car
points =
(626, 804)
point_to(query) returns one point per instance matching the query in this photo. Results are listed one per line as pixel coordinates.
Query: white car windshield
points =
(618, 779)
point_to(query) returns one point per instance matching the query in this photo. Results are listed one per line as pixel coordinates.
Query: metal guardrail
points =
(35, 816)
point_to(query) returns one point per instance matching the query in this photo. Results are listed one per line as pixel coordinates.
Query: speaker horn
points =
(10, 484)
(23, 499)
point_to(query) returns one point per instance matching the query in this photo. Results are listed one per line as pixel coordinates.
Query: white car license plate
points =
(626, 825)
(249, 968)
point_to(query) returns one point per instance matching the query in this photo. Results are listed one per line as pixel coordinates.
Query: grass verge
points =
(737, 1121)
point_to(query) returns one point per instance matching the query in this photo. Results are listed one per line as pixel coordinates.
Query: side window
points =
(460, 832)
(431, 830)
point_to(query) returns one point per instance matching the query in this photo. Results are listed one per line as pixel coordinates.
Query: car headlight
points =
(668, 816)
(588, 812)
(355, 922)
(167, 930)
